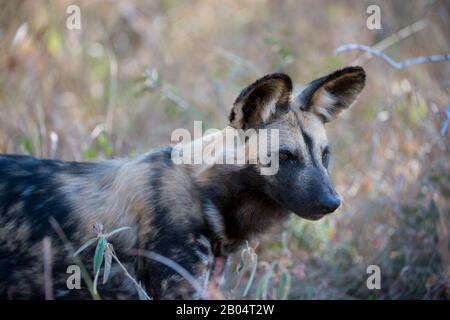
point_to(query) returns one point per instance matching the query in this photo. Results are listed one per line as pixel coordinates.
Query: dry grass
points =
(77, 95)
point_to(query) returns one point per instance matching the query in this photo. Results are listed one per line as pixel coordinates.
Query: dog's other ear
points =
(261, 101)
(329, 95)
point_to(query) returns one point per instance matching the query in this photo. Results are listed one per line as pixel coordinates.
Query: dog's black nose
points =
(329, 204)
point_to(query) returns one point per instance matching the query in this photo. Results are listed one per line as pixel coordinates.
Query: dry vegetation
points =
(139, 69)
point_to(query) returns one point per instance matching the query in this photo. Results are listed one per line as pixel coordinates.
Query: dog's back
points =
(158, 200)
(29, 195)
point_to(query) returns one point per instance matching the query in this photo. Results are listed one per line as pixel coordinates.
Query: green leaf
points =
(101, 140)
(253, 266)
(84, 246)
(25, 144)
(99, 252)
(284, 285)
(265, 286)
(261, 289)
(94, 286)
(116, 231)
(53, 42)
(89, 153)
(241, 264)
(108, 261)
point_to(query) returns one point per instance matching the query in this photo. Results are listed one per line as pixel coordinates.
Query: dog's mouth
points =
(309, 215)
(313, 216)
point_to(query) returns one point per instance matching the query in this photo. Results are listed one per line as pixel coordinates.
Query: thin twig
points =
(112, 91)
(397, 65)
(394, 38)
(173, 265)
(168, 92)
(172, 96)
(47, 256)
(402, 34)
(234, 58)
(137, 285)
(85, 275)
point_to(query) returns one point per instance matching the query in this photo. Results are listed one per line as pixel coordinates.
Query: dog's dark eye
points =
(285, 155)
(326, 157)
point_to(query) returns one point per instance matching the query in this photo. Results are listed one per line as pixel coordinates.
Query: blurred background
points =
(136, 70)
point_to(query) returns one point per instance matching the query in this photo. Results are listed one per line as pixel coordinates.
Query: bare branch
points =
(444, 122)
(394, 38)
(402, 34)
(234, 58)
(397, 65)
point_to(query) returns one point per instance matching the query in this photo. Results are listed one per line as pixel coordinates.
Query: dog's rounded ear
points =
(264, 99)
(329, 95)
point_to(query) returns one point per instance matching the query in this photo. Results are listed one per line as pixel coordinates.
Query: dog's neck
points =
(235, 204)
(238, 204)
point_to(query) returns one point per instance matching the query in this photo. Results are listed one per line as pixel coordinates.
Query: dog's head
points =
(301, 183)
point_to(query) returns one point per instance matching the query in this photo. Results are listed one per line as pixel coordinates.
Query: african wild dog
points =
(188, 213)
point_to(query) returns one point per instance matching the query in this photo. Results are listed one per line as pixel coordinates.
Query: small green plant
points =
(25, 144)
(238, 277)
(245, 277)
(104, 252)
(84, 273)
(275, 281)
(101, 146)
